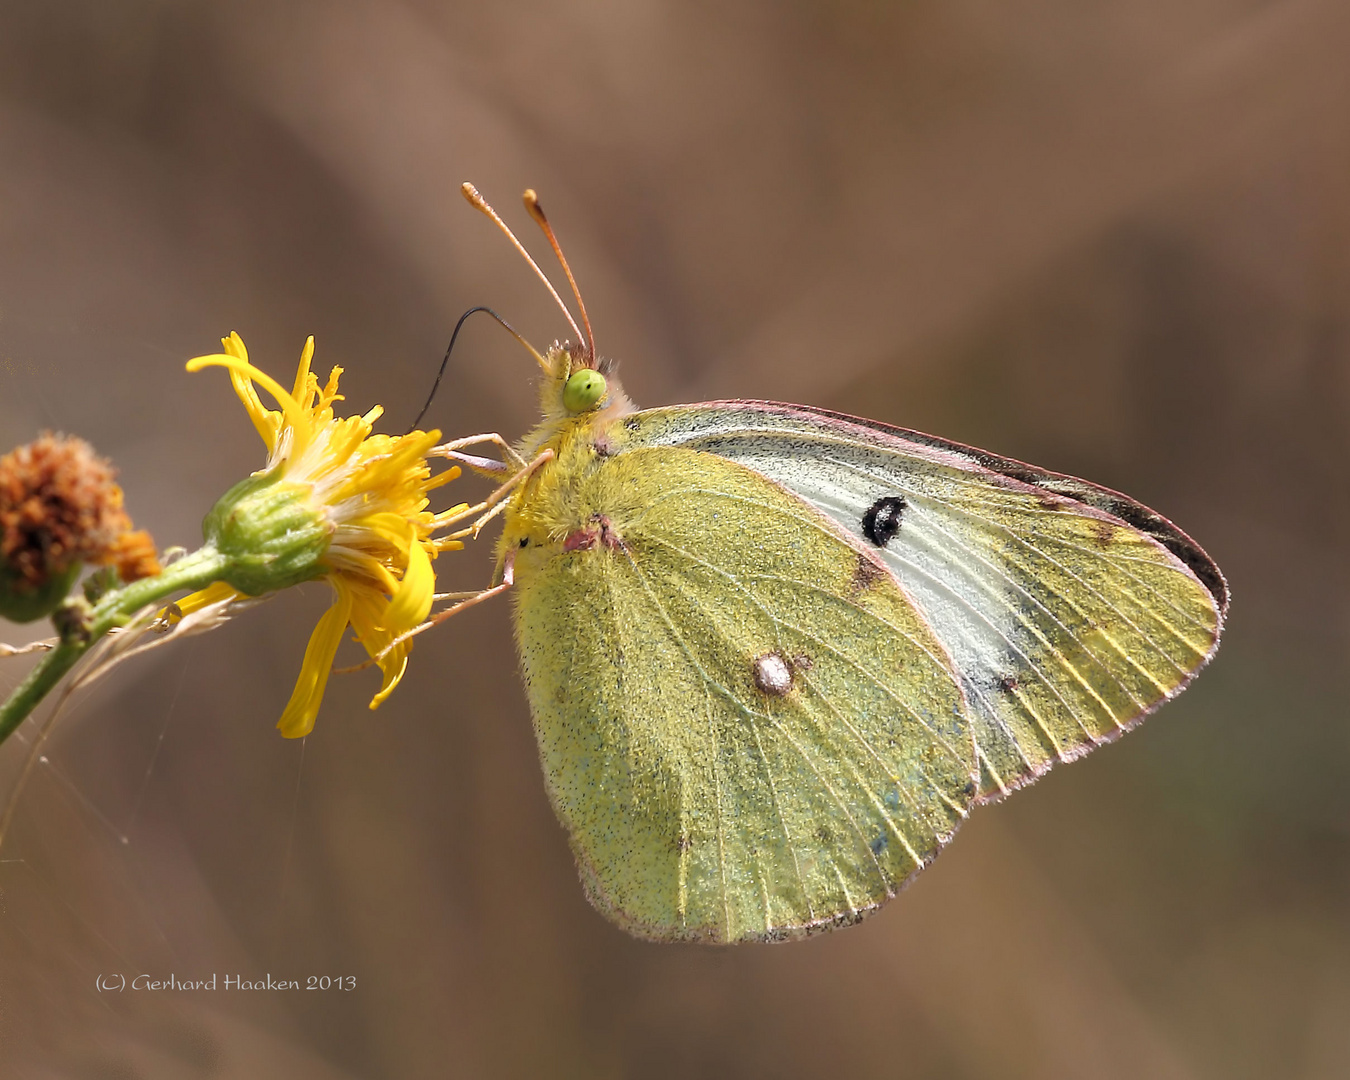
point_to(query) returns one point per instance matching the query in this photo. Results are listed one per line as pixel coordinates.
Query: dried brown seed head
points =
(59, 509)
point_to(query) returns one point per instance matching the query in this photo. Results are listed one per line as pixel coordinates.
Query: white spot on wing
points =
(772, 674)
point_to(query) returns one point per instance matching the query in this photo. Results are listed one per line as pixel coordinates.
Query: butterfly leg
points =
(467, 600)
(508, 579)
(484, 466)
(493, 505)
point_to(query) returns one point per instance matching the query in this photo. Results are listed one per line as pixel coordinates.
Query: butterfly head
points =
(576, 385)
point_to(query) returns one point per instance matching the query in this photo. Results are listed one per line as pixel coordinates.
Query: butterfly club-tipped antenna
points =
(537, 212)
(480, 203)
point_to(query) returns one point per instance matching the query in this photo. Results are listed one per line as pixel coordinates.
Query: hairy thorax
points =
(582, 500)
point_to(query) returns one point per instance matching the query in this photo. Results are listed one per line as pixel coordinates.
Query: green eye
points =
(583, 390)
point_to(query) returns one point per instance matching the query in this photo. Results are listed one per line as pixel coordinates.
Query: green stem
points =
(193, 571)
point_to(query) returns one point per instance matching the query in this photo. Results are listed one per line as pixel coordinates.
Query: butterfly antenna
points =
(450, 348)
(480, 203)
(537, 212)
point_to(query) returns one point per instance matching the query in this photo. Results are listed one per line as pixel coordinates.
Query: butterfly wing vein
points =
(1065, 623)
(700, 805)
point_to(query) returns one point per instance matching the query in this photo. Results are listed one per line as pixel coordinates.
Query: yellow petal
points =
(213, 593)
(368, 608)
(393, 665)
(444, 477)
(301, 391)
(369, 616)
(266, 422)
(344, 439)
(394, 529)
(329, 395)
(412, 603)
(359, 568)
(234, 363)
(445, 517)
(301, 710)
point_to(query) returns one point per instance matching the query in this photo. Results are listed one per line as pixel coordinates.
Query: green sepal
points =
(270, 533)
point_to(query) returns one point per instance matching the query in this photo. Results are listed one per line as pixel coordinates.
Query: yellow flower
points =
(333, 501)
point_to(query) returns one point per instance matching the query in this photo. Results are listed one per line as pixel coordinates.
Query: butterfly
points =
(775, 655)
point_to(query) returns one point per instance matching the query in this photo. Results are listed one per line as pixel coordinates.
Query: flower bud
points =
(270, 531)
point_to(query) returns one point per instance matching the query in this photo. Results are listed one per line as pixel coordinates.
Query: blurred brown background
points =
(1112, 239)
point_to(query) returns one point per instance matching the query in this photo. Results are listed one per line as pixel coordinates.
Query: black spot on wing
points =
(1132, 513)
(882, 520)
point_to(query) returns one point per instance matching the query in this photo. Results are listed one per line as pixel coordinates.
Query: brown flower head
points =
(60, 509)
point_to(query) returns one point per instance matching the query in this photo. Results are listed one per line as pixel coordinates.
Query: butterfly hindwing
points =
(745, 724)
(1069, 611)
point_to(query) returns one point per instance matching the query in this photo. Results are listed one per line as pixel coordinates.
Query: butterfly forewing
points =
(746, 726)
(1065, 622)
